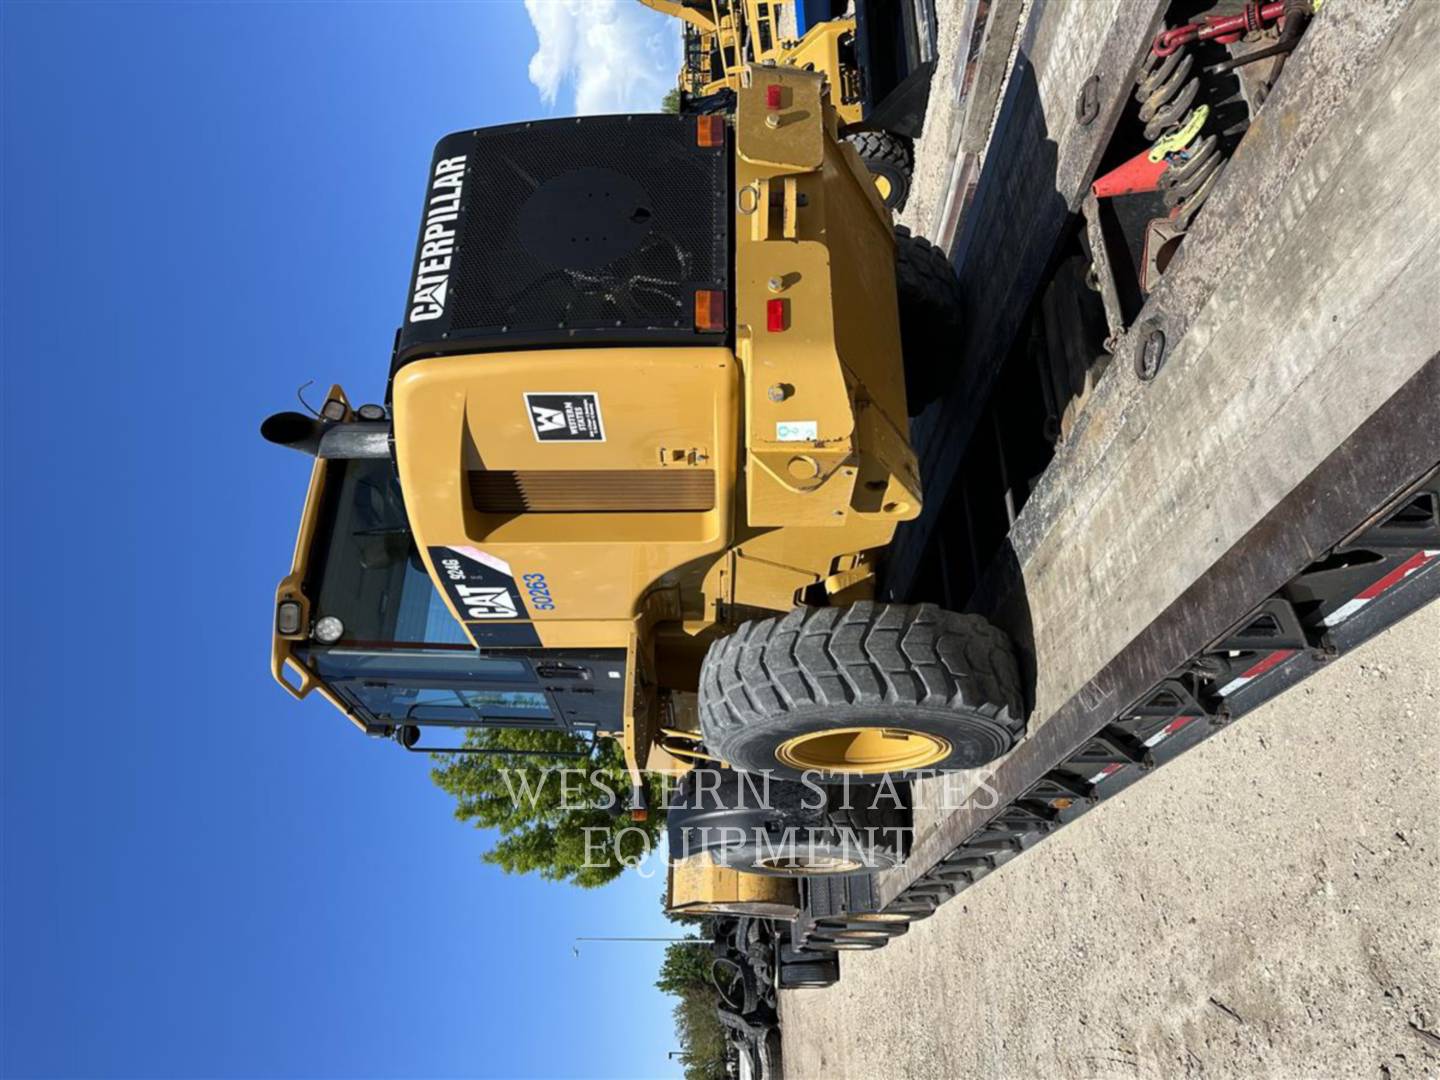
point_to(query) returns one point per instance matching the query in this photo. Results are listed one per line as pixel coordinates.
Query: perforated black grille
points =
(576, 229)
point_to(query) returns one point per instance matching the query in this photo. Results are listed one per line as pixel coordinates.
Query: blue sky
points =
(204, 206)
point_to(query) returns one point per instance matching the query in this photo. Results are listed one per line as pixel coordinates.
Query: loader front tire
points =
(862, 692)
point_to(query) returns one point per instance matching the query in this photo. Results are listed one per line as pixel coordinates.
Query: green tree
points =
(685, 973)
(543, 806)
(671, 101)
(685, 967)
(701, 1036)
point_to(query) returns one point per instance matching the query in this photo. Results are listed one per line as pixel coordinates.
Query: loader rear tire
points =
(931, 318)
(862, 692)
(891, 161)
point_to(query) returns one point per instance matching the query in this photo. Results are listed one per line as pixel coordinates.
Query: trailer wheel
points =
(851, 926)
(913, 909)
(790, 953)
(822, 971)
(840, 942)
(861, 829)
(931, 311)
(891, 161)
(866, 691)
(871, 920)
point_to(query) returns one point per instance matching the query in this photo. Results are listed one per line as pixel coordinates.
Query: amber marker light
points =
(709, 309)
(710, 131)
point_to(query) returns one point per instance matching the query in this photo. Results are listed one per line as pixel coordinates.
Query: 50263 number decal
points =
(539, 590)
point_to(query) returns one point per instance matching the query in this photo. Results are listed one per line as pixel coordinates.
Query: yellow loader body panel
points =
(718, 480)
(650, 498)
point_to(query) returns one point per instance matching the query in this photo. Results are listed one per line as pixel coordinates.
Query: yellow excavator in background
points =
(721, 36)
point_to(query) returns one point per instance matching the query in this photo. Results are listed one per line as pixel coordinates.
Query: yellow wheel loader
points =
(880, 110)
(644, 443)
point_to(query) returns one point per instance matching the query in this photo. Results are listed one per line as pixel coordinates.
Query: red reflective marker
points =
(775, 316)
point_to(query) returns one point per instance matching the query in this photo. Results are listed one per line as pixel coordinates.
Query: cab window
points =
(365, 568)
(446, 687)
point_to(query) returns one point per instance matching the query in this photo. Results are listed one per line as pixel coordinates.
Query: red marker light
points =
(772, 96)
(775, 316)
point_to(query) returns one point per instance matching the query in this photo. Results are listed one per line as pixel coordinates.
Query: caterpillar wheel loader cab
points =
(645, 441)
(880, 105)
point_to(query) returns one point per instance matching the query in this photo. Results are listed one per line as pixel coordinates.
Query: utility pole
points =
(670, 940)
(680, 940)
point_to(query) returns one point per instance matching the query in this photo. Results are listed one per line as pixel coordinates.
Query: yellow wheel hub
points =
(882, 185)
(859, 750)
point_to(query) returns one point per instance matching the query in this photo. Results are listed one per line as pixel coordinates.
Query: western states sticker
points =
(797, 431)
(568, 417)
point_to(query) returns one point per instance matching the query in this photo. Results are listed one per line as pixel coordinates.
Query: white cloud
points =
(618, 55)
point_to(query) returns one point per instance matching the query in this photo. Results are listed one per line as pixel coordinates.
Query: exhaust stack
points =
(326, 438)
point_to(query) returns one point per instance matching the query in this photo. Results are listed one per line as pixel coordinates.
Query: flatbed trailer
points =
(1247, 485)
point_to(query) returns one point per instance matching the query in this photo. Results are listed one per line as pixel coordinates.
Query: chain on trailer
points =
(1197, 90)
(1363, 585)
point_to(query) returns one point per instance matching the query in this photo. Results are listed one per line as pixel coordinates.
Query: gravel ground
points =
(1266, 905)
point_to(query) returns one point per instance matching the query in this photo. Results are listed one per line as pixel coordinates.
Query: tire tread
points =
(868, 654)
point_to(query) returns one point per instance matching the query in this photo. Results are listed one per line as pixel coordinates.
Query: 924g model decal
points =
(483, 590)
(480, 584)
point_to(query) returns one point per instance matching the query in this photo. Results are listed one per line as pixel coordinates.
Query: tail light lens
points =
(710, 131)
(709, 309)
(775, 316)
